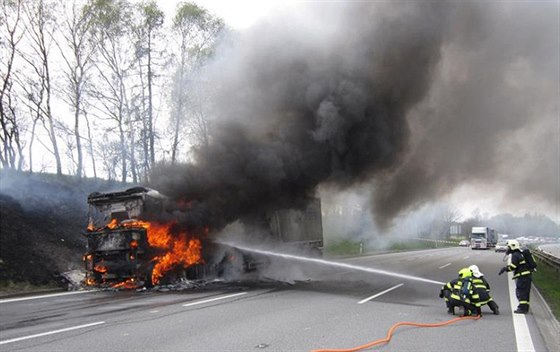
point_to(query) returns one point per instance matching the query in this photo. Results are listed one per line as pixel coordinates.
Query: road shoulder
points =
(546, 321)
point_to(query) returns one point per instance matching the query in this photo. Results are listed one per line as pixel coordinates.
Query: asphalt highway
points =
(332, 308)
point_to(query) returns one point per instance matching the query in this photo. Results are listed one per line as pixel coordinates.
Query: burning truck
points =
(126, 248)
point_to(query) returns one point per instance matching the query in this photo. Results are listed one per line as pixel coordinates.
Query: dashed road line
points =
(9, 300)
(50, 333)
(380, 293)
(214, 299)
(444, 266)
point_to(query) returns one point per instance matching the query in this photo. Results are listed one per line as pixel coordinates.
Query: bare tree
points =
(11, 147)
(110, 30)
(77, 52)
(39, 20)
(90, 144)
(147, 27)
(197, 32)
(34, 93)
(451, 215)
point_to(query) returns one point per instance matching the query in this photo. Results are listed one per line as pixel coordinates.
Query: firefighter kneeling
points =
(460, 293)
(482, 288)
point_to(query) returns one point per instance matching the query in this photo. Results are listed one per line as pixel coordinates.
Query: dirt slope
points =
(41, 220)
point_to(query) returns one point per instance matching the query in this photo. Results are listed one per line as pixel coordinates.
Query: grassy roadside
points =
(349, 248)
(8, 288)
(547, 280)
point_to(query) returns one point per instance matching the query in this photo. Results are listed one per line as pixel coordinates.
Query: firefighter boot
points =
(494, 307)
(522, 309)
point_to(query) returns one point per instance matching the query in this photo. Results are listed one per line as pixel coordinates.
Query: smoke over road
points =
(411, 98)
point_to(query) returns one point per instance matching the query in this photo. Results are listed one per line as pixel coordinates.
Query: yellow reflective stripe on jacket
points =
(521, 274)
(481, 285)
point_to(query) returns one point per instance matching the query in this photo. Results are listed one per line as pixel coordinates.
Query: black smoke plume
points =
(409, 97)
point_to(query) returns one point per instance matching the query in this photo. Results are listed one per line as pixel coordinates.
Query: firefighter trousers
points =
(523, 291)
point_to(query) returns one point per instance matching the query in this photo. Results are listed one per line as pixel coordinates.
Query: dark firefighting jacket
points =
(482, 289)
(447, 289)
(518, 265)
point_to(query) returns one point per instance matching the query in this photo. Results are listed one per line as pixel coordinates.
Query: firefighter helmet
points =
(475, 271)
(513, 244)
(465, 272)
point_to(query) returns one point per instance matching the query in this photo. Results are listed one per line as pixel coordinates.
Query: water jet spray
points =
(330, 263)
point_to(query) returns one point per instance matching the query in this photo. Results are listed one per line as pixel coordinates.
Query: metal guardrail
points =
(547, 258)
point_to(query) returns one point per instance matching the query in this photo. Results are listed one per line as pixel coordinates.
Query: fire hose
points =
(393, 328)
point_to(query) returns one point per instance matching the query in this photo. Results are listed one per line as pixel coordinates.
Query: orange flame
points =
(182, 252)
(100, 268)
(180, 249)
(128, 284)
(113, 224)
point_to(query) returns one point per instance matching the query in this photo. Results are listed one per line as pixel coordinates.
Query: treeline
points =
(527, 225)
(106, 88)
(530, 224)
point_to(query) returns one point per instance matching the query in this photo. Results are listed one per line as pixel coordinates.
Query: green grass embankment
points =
(351, 248)
(547, 280)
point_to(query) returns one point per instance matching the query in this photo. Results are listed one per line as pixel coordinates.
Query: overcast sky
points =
(238, 14)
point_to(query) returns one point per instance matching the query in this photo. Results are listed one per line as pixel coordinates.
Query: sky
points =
(238, 14)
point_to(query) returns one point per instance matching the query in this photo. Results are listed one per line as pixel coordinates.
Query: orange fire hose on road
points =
(393, 328)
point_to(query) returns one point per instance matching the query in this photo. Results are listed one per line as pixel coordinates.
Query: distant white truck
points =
(483, 238)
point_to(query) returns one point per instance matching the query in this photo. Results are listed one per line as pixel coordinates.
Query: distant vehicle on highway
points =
(501, 246)
(464, 243)
(483, 238)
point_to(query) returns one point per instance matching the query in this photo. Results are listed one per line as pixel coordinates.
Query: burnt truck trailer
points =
(118, 238)
(302, 228)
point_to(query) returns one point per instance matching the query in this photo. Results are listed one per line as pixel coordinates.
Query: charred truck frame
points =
(117, 243)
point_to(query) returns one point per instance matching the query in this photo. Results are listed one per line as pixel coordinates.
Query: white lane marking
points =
(380, 293)
(522, 334)
(466, 257)
(214, 299)
(8, 300)
(50, 332)
(444, 266)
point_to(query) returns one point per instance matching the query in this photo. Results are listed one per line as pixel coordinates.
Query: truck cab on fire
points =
(117, 249)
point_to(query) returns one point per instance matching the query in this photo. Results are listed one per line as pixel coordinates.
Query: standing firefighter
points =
(482, 288)
(521, 274)
(460, 293)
